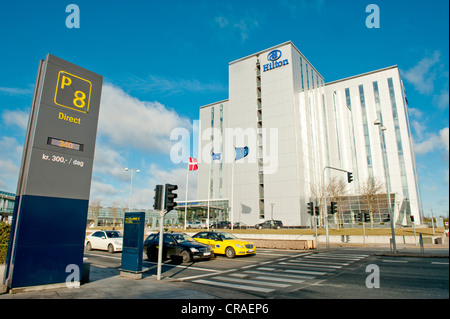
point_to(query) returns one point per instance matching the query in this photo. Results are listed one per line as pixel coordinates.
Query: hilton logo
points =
(274, 56)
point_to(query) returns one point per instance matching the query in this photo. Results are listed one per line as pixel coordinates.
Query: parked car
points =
(222, 224)
(276, 224)
(239, 225)
(225, 243)
(110, 240)
(177, 245)
(194, 225)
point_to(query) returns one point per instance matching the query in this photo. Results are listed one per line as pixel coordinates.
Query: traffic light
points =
(333, 208)
(358, 217)
(349, 177)
(412, 219)
(157, 205)
(310, 208)
(316, 210)
(169, 197)
(366, 217)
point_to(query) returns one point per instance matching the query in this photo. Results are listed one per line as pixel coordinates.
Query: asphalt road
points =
(282, 274)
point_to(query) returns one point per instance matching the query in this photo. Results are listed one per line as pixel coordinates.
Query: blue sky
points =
(162, 60)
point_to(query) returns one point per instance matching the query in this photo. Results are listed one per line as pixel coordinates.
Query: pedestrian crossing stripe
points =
(283, 273)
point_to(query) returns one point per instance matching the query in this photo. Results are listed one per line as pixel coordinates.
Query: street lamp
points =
(131, 184)
(391, 216)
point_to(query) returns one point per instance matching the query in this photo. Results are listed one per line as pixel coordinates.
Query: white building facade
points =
(295, 125)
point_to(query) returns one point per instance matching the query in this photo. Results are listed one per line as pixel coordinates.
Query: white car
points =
(110, 240)
(194, 225)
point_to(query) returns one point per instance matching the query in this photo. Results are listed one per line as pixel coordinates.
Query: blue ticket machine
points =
(133, 242)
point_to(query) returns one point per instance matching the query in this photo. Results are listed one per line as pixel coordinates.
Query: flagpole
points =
(185, 205)
(209, 189)
(232, 188)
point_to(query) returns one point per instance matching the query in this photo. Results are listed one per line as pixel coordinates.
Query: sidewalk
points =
(106, 283)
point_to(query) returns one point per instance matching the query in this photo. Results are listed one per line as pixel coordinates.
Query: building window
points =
(301, 72)
(366, 131)
(307, 76)
(398, 137)
(347, 98)
(380, 117)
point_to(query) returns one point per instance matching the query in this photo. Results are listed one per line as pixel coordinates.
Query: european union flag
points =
(241, 152)
(216, 156)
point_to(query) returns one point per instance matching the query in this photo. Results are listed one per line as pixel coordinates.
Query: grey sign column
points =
(52, 201)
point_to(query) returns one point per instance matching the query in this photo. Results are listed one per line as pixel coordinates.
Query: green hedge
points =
(4, 239)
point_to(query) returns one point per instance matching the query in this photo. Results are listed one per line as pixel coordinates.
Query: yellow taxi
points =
(225, 243)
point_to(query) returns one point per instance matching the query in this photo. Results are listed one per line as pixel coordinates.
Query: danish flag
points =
(193, 164)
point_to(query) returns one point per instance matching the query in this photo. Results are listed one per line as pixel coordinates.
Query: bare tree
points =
(370, 189)
(94, 207)
(114, 209)
(336, 189)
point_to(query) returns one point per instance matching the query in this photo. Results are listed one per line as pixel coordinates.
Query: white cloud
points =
(422, 75)
(167, 85)
(442, 99)
(243, 25)
(16, 91)
(176, 176)
(18, 118)
(127, 121)
(433, 142)
(10, 159)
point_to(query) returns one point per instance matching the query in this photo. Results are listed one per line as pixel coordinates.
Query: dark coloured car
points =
(276, 224)
(222, 224)
(176, 246)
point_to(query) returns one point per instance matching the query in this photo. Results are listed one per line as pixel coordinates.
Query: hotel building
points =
(301, 131)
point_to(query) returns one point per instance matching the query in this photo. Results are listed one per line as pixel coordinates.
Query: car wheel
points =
(150, 256)
(88, 246)
(278, 227)
(230, 252)
(110, 248)
(186, 256)
(259, 227)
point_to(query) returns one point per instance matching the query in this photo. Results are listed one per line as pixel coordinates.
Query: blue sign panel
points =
(133, 242)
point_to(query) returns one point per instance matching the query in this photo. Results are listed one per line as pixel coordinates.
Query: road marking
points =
(319, 262)
(230, 285)
(204, 275)
(104, 256)
(438, 263)
(319, 273)
(309, 265)
(266, 268)
(395, 261)
(344, 255)
(269, 254)
(249, 266)
(279, 274)
(248, 281)
(181, 266)
(290, 280)
(333, 258)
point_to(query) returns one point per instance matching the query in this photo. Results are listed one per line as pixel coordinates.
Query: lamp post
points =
(131, 184)
(383, 147)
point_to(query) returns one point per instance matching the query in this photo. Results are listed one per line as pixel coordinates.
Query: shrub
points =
(4, 239)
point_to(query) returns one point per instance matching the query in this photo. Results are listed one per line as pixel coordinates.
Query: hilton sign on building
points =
(302, 125)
